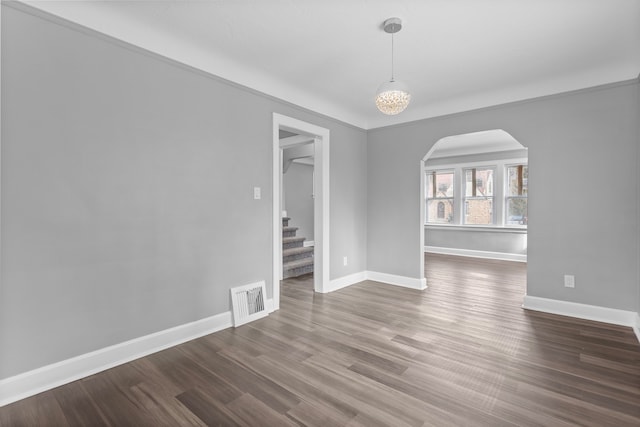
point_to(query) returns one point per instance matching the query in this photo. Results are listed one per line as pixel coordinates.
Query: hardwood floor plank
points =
(246, 380)
(254, 412)
(77, 406)
(316, 415)
(208, 409)
(461, 353)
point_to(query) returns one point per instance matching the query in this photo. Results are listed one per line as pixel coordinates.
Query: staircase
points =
(296, 259)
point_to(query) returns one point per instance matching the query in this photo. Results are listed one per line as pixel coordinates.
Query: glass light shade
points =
(392, 97)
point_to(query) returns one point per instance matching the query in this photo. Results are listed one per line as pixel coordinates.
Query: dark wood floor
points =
(463, 352)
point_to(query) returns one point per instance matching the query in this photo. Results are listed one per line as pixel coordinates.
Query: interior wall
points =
(485, 240)
(582, 204)
(127, 191)
(298, 187)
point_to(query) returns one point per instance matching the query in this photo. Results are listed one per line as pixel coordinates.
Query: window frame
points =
(439, 199)
(508, 197)
(500, 183)
(465, 198)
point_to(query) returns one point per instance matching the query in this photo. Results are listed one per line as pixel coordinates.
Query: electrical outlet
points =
(345, 261)
(569, 281)
(257, 194)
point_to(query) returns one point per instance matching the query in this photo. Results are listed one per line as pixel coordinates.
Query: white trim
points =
(321, 212)
(476, 254)
(392, 279)
(480, 228)
(344, 281)
(269, 305)
(308, 243)
(60, 373)
(388, 279)
(636, 327)
(582, 311)
(421, 218)
(277, 214)
(295, 141)
(499, 196)
(482, 163)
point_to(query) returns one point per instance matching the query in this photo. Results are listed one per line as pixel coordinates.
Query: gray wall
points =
(509, 242)
(578, 224)
(298, 188)
(127, 191)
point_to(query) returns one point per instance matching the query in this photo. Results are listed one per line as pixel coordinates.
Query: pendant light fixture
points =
(392, 96)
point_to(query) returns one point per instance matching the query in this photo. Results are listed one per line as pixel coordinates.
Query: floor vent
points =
(248, 303)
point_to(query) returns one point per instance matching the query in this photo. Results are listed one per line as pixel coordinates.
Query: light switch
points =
(257, 193)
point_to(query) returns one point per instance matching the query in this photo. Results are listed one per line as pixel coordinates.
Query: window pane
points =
(483, 182)
(518, 177)
(517, 211)
(443, 184)
(440, 211)
(478, 211)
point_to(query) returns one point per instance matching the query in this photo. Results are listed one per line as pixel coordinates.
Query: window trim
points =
(499, 194)
(474, 184)
(507, 197)
(440, 199)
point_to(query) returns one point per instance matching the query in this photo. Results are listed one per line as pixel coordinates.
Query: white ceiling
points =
(331, 55)
(489, 141)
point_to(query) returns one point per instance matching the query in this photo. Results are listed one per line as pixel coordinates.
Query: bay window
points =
(477, 194)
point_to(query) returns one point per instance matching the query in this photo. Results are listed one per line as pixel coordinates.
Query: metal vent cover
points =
(248, 303)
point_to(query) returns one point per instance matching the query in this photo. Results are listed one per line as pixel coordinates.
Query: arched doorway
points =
(474, 193)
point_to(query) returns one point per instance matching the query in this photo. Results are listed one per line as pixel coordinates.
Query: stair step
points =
(285, 221)
(297, 264)
(297, 251)
(294, 254)
(289, 231)
(297, 268)
(292, 242)
(293, 239)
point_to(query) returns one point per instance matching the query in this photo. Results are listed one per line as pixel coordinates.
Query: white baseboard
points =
(476, 254)
(308, 243)
(389, 279)
(392, 279)
(636, 328)
(343, 282)
(269, 305)
(584, 311)
(54, 375)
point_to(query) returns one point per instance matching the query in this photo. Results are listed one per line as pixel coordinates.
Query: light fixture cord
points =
(392, 57)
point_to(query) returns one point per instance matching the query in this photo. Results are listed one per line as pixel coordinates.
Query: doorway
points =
(321, 143)
(297, 203)
(474, 193)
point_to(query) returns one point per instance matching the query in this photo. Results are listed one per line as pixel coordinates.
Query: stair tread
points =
(292, 239)
(289, 228)
(297, 263)
(296, 251)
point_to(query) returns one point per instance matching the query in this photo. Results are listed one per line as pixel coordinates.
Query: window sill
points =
(480, 228)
